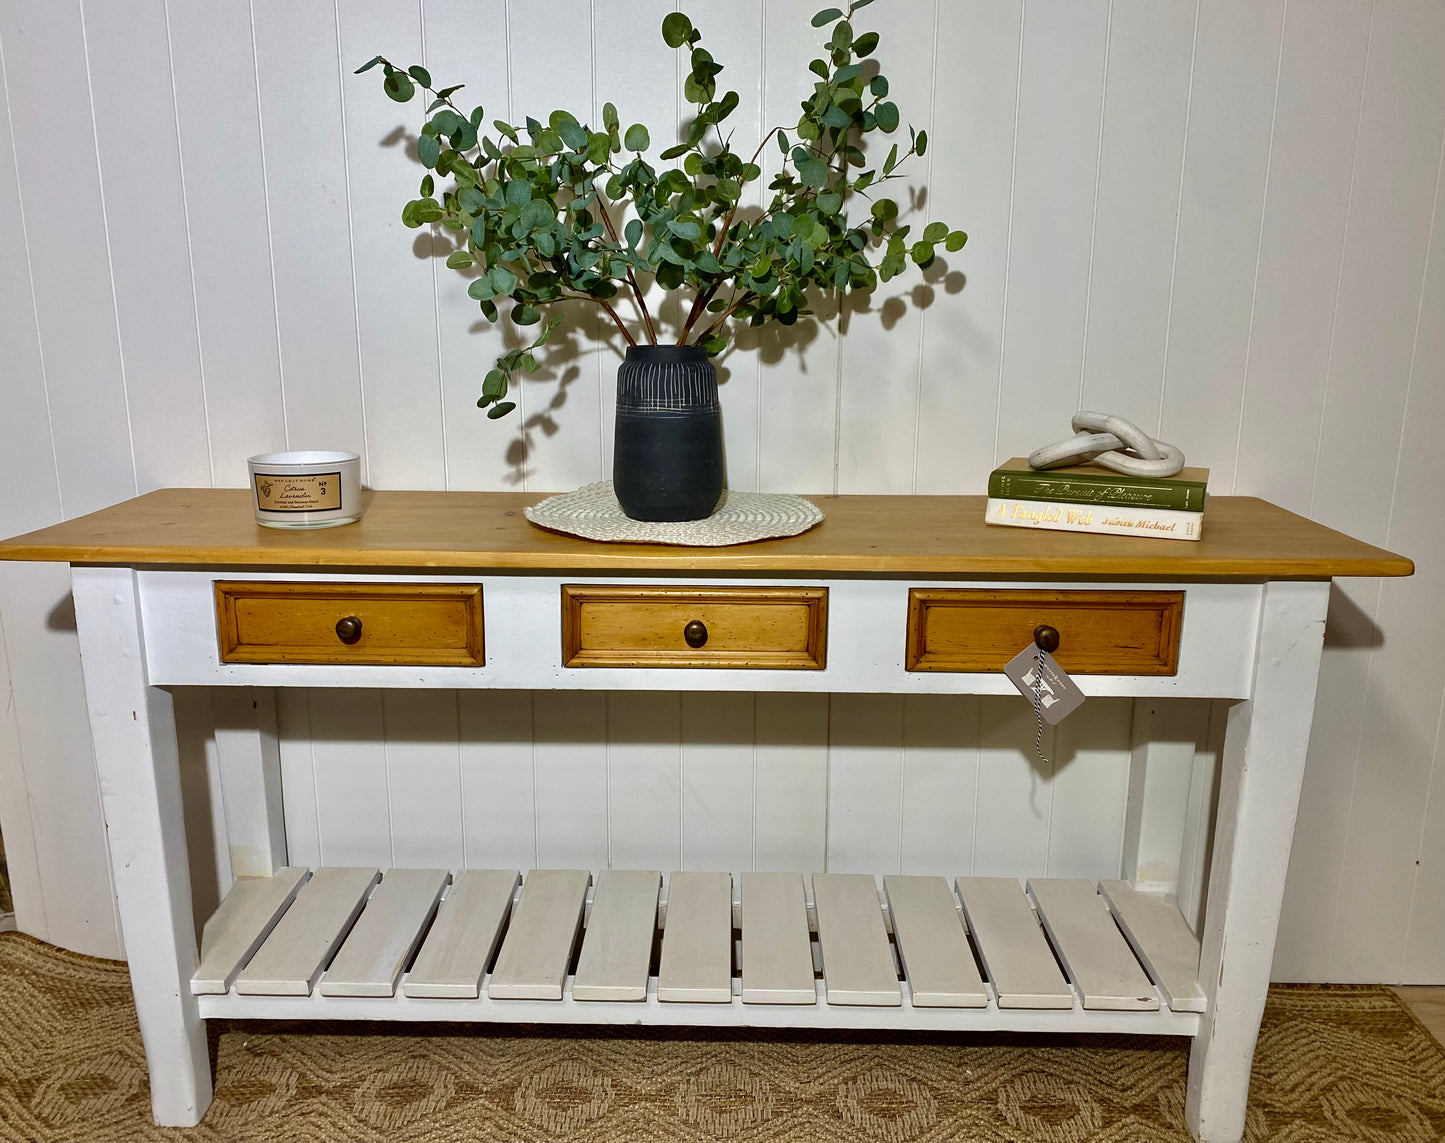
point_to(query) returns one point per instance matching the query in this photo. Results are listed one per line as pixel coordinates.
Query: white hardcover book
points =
(1161, 523)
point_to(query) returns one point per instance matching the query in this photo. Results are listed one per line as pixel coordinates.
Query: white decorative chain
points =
(1114, 443)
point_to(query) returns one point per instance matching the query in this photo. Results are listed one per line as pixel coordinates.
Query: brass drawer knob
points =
(348, 630)
(1046, 638)
(695, 633)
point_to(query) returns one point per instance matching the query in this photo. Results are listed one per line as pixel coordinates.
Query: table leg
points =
(1264, 758)
(137, 762)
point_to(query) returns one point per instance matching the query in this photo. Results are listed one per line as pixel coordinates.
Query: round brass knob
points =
(695, 633)
(348, 630)
(1046, 638)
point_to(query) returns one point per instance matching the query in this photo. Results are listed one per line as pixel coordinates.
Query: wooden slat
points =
(777, 956)
(387, 933)
(697, 939)
(464, 936)
(302, 942)
(858, 963)
(1020, 966)
(932, 944)
(1162, 940)
(245, 919)
(910, 535)
(533, 961)
(617, 949)
(1090, 945)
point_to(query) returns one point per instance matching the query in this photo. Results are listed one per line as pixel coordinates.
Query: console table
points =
(889, 594)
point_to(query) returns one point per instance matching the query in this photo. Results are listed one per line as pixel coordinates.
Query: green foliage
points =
(535, 208)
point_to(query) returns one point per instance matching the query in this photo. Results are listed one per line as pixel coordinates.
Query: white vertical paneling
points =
(1391, 210)
(395, 310)
(865, 784)
(348, 758)
(879, 368)
(149, 240)
(298, 777)
(46, 84)
(497, 778)
(975, 113)
(461, 38)
(736, 41)
(1311, 172)
(1015, 792)
(644, 780)
(797, 365)
(1090, 789)
(940, 783)
(790, 799)
(1056, 163)
(1226, 160)
(569, 755)
(213, 69)
(298, 81)
(561, 404)
(1146, 101)
(424, 779)
(718, 776)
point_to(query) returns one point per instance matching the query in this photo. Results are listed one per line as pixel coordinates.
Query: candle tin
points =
(311, 489)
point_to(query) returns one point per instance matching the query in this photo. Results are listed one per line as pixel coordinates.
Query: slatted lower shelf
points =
(757, 950)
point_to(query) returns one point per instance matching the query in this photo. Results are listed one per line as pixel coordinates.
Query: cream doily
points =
(593, 513)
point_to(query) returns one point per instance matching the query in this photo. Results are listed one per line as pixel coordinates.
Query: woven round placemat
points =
(593, 513)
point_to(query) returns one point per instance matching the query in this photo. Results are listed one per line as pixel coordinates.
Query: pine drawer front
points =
(400, 624)
(769, 628)
(1100, 632)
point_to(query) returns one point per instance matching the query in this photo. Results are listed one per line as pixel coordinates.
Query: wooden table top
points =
(1244, 538)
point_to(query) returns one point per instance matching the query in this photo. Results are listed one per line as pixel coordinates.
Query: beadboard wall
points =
(1214, 217)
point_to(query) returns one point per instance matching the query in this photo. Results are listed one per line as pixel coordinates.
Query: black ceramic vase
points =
(667, 459)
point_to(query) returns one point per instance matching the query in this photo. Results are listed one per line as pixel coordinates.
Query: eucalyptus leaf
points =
(399, 86)
(935, 232)
(500, 410)
(459, 260)
(955, 241)
(887, 114)
(878, 85)
(427, 150)
(637, 138)
(676, 28)
(827, 16)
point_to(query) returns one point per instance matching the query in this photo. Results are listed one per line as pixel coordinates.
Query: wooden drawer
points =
(1100, 632)
(778, 628)
(403, 624)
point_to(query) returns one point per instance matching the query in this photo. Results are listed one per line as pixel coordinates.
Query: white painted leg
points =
(1264, 758)
(249, 756)
(140, 791)
(1161, 764)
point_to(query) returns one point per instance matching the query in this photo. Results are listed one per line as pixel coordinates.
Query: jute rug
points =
(1334, 1063)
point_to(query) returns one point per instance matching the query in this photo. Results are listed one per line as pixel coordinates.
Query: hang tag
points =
(1037, 674)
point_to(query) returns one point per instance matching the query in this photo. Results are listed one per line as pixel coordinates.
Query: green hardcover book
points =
(1093, 484)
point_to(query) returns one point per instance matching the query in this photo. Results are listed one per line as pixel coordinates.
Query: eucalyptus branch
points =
(631, 278)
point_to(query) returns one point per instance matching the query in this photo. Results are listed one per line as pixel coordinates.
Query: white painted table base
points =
(134, 732)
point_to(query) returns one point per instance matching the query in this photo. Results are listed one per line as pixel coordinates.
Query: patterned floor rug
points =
(1334, 1063)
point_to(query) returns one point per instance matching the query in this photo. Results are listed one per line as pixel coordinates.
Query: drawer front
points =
(401, 624)
(771, 628)
(1100, 632)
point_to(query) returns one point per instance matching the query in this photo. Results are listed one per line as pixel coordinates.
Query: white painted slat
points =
(1090, 945)
(932, 944)
(464, 936)
(857, 960)
(244, 920)
(617, 950)
(387, 933)
(1162, 941)
(865, 784)
(644, 780)
(1015, 954)
(697, 939)
(292, 957)
(790, 794)
(777, 956)
(538, 945)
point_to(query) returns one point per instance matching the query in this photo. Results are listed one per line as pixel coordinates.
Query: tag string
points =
(1034, 693)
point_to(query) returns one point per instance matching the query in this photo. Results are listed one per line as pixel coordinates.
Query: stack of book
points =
(1089, 498)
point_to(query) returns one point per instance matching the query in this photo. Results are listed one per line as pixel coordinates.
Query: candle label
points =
(314, 492)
